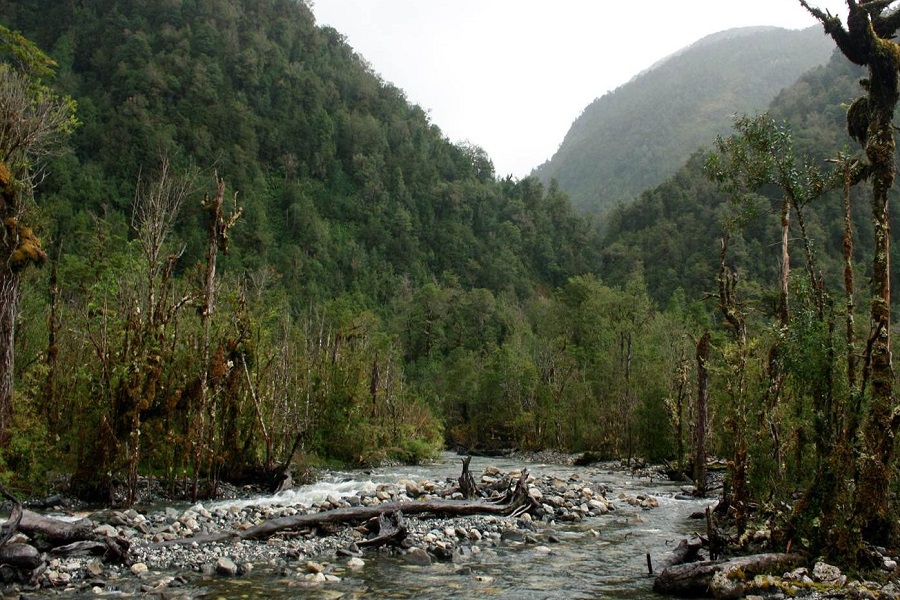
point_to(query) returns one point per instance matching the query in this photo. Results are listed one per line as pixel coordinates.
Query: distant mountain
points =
(635, 137)
(671, 232)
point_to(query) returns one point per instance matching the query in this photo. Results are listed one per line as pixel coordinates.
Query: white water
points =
(603, 557)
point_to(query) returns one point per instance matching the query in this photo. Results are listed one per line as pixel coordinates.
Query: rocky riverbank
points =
(169, 553)
(167, 548)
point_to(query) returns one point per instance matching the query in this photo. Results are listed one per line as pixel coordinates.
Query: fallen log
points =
(55, 532)
(684, 552)
(519, 502)
(21, 556)
(390, 530)
(695, 579)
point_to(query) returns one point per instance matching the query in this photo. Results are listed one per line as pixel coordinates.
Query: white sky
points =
(512, 75)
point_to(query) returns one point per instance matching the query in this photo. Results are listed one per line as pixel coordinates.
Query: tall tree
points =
(866, 41)
(33, 122)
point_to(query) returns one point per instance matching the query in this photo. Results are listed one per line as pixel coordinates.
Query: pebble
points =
(226, 566)
(451, 539)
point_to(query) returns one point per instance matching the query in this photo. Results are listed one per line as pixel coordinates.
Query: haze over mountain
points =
(671, 232)
(638, 135)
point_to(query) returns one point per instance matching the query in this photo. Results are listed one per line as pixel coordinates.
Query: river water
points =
(602, 557)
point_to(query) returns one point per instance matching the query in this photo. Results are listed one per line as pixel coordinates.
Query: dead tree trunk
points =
(699, 442)
(466, 481)
(694, 580)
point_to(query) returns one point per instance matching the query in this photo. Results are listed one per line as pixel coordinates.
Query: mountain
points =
(346, 186)
(635, 137)
(370, 248)
(672, 231)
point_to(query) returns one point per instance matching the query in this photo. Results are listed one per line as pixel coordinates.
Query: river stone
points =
(356, 563)
(417, 556)
(412, 489)
(226, 566)
(55, 578)
(825, 573)
(106, 531)
(512, 536)
(724, 587)
(94, 569)
(314, 567)
(139, 568)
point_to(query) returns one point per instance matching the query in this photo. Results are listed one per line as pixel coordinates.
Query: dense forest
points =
(257, 254)
(382, 294)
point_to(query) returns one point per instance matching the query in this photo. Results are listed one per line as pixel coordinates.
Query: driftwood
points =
(389, 529)
(21, 556)
(684, 552)
(516, 502)
(58, 537)
(694, 579)
(466, 481)
(55, 532)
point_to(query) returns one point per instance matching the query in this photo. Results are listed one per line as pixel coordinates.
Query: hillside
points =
(635, 137)
(369, 251)
(673, 229)
(346, 186)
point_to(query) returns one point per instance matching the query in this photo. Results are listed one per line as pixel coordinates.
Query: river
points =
(600, 557)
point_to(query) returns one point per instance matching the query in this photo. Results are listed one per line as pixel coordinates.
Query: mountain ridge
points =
(628, 141)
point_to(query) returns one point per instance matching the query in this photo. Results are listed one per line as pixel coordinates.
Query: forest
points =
(231, 249)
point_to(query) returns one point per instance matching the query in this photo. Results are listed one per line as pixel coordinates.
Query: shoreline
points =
(168, 557)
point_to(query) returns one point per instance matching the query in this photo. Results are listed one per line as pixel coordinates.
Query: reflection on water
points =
(602, 557)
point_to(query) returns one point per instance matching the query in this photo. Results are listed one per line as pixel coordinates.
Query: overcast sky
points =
(512, 75)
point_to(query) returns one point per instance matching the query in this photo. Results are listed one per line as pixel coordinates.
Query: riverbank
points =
(603, 507)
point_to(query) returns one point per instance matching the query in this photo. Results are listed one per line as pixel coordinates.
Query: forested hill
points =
(373, 272)
(635, 137)
(345, 186)
(673, 230)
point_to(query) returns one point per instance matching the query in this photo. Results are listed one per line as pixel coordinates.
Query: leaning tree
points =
(33, 122)
(866, 40)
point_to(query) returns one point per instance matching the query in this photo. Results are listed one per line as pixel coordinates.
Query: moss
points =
(858, 120)
(28, 249)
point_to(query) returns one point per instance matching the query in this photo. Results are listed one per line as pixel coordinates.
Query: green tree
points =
(867, 40)
(33, 123)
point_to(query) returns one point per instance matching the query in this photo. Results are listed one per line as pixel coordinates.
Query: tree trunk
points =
(695, 579)
(699, 445)
(866, 41)
(9, 296)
